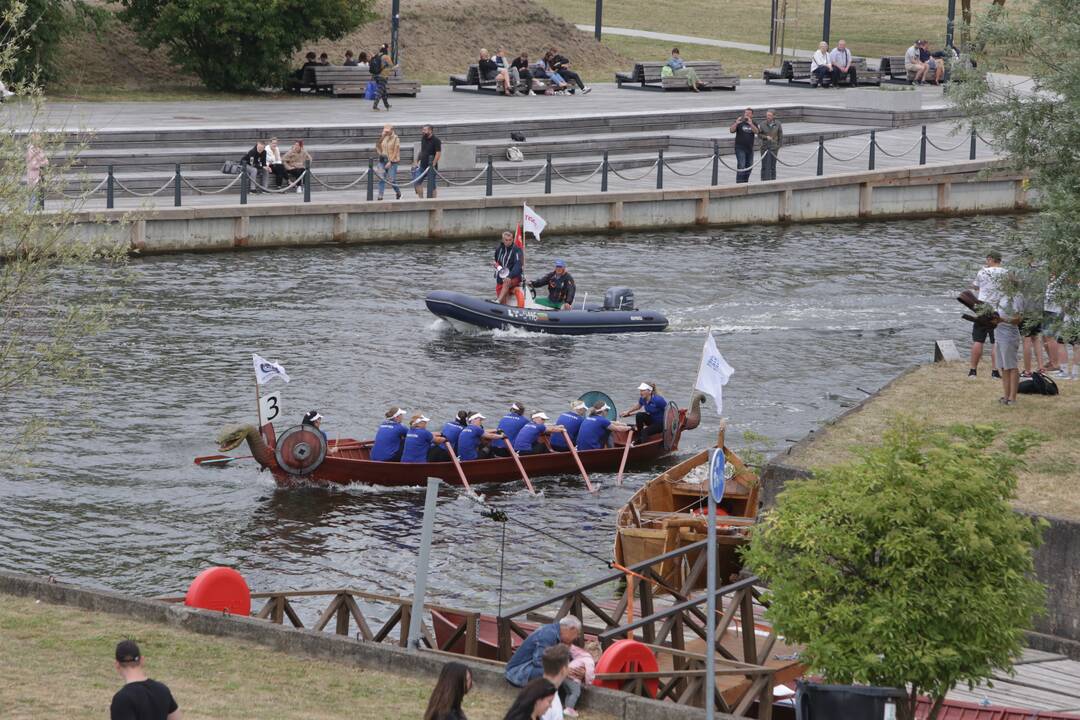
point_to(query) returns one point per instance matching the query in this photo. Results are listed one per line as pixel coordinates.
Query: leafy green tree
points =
(907, 567)
(240, 44)
(1036, 123)
(41, 26)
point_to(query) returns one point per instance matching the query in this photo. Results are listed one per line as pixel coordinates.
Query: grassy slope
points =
(57, 662)
(941, 394)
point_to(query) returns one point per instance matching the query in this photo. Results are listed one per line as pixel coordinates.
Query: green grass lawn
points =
(737, 62)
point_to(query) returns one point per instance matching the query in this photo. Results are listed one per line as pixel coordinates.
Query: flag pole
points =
(258, 401)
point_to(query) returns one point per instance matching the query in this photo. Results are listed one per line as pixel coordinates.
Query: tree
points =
(907, 567)
(1037, 124)
(240, 44)
(42, 25)
(57, 289)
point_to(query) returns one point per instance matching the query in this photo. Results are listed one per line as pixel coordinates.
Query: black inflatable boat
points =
(616, 315)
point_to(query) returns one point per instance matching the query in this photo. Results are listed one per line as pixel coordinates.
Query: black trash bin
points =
(846, 702)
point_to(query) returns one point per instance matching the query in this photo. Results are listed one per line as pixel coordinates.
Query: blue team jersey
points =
(388, 439)
(571, 421)
(593, 433)
(655, 407)
(469, 441)
(450, 431)
(529, 435)
(511, 425)
(417, 443)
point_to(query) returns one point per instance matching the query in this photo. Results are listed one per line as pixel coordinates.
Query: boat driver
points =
(509, 269)
(560, 285)
(390, 437)
(649, 412)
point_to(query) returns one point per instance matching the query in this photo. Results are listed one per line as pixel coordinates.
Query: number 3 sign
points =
(269, 408)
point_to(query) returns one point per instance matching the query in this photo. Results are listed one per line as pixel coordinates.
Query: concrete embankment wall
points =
(973, 187)
(324, 646)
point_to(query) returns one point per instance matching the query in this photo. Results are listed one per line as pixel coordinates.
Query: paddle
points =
(513, 454)
(625, 455)
(219, 460)
(460, 470)
(577, 459)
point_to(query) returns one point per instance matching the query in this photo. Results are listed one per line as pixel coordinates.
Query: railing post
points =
(547, 175)
(922, 146)
(431, 180)
(971, 151)
(243, 184)
(176, 186)
(821, 155)
(371, 179)
(488, 180)
(110, 198)
(307, 181)
(873, 148)
(715, 162)
(603, 173)
(660, 169)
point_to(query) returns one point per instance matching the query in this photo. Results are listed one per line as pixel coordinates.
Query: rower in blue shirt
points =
(419, 441)
(510, 425)
(570, 421)
(649, 412)
(389, 437)
(450, 430)
(593, 433)
(471, 437)
(529, 440)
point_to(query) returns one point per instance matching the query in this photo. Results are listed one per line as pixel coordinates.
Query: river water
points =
(806, 315)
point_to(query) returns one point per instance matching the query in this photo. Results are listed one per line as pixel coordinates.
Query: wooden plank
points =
(1031, 655)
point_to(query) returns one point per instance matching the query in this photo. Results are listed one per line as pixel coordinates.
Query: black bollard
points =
(603, 173)
(176, 186)
(821, 155)
(371, 179)
(243, 185)
(715, 162)
(971, 151)
(489, 179)
(110, 197)
(547, 175)
(431, 181)
(659, 169)
(307, 181)
(922, 146)
(873, 148)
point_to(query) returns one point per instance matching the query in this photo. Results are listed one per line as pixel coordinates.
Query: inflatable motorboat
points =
(616, 315)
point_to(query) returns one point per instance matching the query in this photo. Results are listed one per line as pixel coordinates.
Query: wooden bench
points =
(306, 81)
(798, 71)
(647, 75)
(351, 80)
(471, 80)
(892, 67)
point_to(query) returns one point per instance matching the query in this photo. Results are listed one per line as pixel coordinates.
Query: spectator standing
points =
(255, 166)
(582, 672)
(820, 66)
(744, 129)
(843, 68)
(381, 67)
(427, 160)
(533, 701)
(296, 161)
(1052, 333)
(913, 63)
(454, 683)
(987, 285)
(275, 163)
(36, 159)
(526, 663)
(140, 698)
(1031, 328)
(771, 133)
(388, 148)
(561, 65)
(1010, 308)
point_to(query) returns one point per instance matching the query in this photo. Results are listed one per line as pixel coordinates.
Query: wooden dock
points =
(1043, 681)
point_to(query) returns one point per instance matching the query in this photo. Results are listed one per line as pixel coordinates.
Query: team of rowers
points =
(588, 428)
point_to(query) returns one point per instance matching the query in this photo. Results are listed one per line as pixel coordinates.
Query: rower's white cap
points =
(476, 416)
(540, 415)
(577, 405)
(399, 413)
(516, 407)
(644, 386)
(421, 419)
(605, 408)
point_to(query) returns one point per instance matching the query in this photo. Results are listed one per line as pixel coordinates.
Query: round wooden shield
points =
(671, 424)
(300, 450)
(592, 396)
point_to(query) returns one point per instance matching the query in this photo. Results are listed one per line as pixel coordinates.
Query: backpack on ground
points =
(514, 154)
(1039, 384)
(517, 136)
(375, 64)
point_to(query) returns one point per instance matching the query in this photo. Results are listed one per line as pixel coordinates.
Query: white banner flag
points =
(713, 373)
(531, 222)
(265, 371)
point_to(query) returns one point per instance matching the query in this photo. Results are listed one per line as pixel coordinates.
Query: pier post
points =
(416, 617)
(922, 146)
(659, 169)
(710, 603)
(371, 179)
(243, 185)
(431, 180)
(307, 181)
(971, 151)
(547, 175)
(489, 179)
(821, 155)
(715, 163)
(603, 173)
(873, 148)
(176, 186)
(110, 190)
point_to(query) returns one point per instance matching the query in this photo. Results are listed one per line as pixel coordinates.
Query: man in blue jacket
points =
(527, 662)
(509, 267)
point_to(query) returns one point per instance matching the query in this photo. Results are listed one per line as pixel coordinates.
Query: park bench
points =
(892, 67)
(351, 80)
(306, 81)
(647, 75)
(798, 71)
(471, 80)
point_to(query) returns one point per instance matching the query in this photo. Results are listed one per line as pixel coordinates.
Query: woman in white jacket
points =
(820, 65)
(275, 163)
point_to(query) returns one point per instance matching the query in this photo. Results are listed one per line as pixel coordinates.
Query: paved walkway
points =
(691, 40)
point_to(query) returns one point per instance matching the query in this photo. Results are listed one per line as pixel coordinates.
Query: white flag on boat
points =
(265, 371)
(531, 222)
(713, 373)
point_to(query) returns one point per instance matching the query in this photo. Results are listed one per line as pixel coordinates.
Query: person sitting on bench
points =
(842, 66)
(561, 65)
(488, 69)
(680, 69)
(508, 76)
(821, 67)
(521, 65)
(913, 63)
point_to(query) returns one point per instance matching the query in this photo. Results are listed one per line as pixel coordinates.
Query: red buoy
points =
(628, 656)
(222, 589)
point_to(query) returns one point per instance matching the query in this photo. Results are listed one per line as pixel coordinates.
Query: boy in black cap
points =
(141, 698)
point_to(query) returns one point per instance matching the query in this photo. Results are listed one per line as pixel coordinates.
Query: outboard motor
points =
(619, 298)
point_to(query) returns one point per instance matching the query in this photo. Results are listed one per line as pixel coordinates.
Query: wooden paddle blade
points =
(214, 460)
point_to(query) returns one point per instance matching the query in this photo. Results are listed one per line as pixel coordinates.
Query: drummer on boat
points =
(560, 285)
(469, 444)
(509, 270)
(510, 425)
(571, 422)
(594, 430)
(313, 419)
(649, 412)
(530, 440)
(419, 441)
(390, 437)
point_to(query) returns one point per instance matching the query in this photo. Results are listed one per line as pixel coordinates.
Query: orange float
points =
(628, 656)
(221, 589)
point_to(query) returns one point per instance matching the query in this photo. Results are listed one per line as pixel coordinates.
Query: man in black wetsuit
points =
(560, 285)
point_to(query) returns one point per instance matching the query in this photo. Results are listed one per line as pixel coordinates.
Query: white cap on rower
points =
(644, 386)
(605, 408)
(577, 405)
(516, 407)
(476, 416)
(540, 415)
(421, 419)
(398, 414)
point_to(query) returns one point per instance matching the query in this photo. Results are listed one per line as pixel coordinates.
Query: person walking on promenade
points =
(987, 284)
(427, 160)
(772, 137)
(388, 149)
(455, 682)
(141, 698)
(744, 129)
(381, 68)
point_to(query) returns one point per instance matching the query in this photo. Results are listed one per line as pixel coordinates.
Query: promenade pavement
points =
(691, 40)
